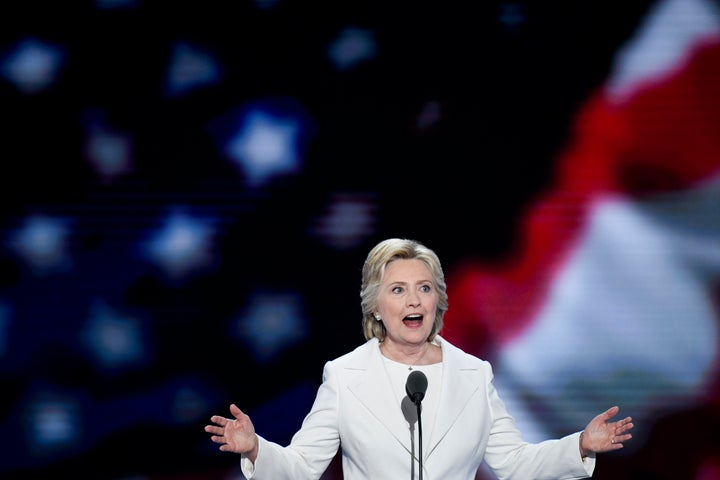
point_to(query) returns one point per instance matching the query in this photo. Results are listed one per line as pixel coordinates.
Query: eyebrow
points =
(403, 282)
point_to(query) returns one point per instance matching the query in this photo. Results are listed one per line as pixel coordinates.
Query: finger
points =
(214, 430)
(611, 412)
(617, 440)
(626, 427)
(621, 426)
(237, 413)
(222, 421)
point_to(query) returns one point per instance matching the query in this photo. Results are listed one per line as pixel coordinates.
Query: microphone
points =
(416, 386)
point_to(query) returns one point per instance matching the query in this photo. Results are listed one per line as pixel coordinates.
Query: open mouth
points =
(413, 320)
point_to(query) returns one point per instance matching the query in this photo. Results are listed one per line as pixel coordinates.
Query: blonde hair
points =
(373, 270)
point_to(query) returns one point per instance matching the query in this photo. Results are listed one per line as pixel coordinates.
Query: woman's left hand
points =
(602, 435)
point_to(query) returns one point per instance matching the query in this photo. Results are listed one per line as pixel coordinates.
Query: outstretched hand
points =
(602, 435)
(234, 434)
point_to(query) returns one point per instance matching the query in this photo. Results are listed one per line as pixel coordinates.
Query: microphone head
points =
(416, 386)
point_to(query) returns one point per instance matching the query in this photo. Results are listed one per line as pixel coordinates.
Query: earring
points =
(377, 317)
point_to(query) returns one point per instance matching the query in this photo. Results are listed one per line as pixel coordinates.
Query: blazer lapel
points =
(457, 389)
(373, 389)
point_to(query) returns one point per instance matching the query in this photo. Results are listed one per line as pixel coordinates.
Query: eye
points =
(397, 290)
(426, 288)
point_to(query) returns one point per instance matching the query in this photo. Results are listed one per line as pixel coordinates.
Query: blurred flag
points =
(612, 297)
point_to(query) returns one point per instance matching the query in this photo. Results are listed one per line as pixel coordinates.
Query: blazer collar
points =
(373, 389)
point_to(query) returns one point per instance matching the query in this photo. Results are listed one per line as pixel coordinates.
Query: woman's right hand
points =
(234, 434)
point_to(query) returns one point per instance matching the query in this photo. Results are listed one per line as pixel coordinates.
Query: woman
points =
(362, 405)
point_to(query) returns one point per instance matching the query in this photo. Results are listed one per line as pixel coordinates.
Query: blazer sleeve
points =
(313, 446)
(509, 456)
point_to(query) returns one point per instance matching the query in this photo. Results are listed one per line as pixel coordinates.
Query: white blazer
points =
(356, 410)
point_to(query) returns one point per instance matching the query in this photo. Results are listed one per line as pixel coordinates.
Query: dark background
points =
(507, 78)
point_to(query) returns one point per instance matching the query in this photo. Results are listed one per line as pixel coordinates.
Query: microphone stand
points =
(420, 456)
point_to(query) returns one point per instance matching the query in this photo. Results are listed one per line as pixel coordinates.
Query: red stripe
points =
(665, 137)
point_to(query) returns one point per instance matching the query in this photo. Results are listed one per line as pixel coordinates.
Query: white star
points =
(41, 242)
(183, 244)
(265, 147)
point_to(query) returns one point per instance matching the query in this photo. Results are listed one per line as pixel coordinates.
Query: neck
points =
(411, 355)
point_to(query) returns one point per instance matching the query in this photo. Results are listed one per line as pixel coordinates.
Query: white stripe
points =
(629, 320)
(665, 37)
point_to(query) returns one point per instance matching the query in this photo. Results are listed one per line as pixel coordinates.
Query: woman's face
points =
(407, 301)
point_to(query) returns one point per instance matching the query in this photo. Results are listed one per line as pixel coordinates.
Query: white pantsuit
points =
(356, 409)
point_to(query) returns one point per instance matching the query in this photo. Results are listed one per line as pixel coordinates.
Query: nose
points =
(413, 299)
